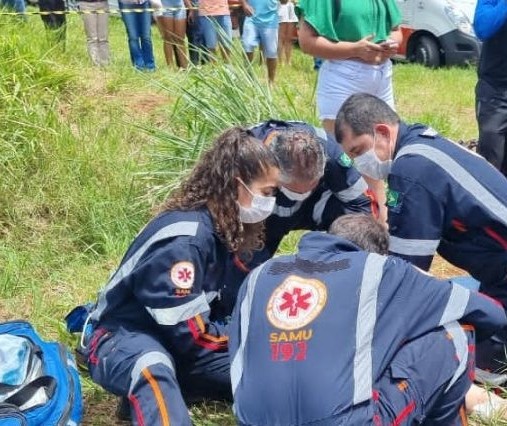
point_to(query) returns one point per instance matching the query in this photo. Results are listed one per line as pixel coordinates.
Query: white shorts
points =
(340, 79)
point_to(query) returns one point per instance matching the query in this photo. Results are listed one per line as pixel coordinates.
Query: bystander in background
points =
(490, 24)
(286, 30)
(95, 20)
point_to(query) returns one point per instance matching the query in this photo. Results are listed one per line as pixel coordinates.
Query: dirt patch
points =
(443, 269)
(100, 410)
(146, 104)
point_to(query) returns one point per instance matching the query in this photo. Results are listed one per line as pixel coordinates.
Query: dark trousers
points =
(137, 366)
(427, 380)
(491, 112)
(196, 46)
(53, 21)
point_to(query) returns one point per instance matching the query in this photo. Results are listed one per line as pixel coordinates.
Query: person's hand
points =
(249, 10)
(389, 48)
(369, 52)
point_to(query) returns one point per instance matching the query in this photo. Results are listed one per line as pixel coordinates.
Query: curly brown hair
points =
(212, 183)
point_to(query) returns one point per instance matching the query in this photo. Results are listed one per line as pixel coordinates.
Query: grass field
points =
(87, 153)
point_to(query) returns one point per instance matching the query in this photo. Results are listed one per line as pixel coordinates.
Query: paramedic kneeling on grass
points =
(318, 182)
(341, 334)
(159, 325)
(441, 198)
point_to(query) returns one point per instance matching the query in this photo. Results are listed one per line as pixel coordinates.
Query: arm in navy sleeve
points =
(169, 284)
(420, 302)
(344, 181)
(415, 220)
(490, 16)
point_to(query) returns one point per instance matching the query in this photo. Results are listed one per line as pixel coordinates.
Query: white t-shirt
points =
(286, 12)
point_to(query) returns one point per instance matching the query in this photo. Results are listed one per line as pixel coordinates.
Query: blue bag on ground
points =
(39, 382)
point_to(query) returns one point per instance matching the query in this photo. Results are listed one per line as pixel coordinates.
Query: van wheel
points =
(426, 52)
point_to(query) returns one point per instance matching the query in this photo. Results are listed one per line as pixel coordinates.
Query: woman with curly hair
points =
(159, 326)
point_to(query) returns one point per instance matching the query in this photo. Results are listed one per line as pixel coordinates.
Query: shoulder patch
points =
(429, 133)
(183, 274)
(296, 302)
(392, 198)
(345, 160)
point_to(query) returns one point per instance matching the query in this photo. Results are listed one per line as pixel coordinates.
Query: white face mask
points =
(370, 165)
(295, 196)
(260, 209)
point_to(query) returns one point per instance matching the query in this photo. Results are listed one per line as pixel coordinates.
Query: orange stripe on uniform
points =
(158, 396)
(463, 416)
(210, 337)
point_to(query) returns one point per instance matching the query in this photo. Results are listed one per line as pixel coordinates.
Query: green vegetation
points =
(86, 154)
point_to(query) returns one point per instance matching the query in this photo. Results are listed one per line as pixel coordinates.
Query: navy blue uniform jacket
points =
(311, 333)
(444, 198)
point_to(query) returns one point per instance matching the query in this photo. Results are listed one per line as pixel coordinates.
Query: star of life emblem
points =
(296, 302)
(183, 274)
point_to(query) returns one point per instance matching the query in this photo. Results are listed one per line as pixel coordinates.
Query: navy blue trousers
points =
(137, 366)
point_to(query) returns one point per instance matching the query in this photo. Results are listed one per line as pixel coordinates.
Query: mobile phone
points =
(389, 43)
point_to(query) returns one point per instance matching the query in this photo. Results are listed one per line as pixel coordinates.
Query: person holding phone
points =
(356, 40)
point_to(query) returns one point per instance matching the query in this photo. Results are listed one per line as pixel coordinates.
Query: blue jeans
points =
(217, 29)
(138, 26)
(254, 35)
(196, 45)
(15, 5)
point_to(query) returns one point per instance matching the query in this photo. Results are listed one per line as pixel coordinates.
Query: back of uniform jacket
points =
(311, 333)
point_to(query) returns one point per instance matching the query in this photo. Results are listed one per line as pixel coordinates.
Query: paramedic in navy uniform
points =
(441, 198)
(318, 182)
(339, 334)
(159, 323)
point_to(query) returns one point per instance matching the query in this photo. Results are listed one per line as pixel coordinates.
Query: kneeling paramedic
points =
(318, 182)
(341, 334)
(159, 335)
(441, 198)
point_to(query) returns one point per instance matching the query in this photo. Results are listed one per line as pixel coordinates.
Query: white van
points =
(439, 32)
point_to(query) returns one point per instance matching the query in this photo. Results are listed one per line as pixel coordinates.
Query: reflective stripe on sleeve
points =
(318, 209)
(461, 177)
(460, 341)
(413, 247)
(353, 192)
(174, 315)
(456, 305)
(286, 211)
(147, 360)
(320, 132)
(365, 326)
(245, 309)
(173, 230)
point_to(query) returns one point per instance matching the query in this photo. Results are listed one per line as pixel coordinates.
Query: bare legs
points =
(173, 33)
(286, 30)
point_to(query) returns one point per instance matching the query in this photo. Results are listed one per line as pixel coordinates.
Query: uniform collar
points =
(408, 134)
(322, 241)
(403, 130)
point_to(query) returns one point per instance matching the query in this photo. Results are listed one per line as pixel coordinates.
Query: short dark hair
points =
(362, 230)
(361, 112)
(300, 155)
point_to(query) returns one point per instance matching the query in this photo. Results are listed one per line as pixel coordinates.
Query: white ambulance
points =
(439, 32)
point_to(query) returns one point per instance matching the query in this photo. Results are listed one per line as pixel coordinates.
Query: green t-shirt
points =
(351, 20)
